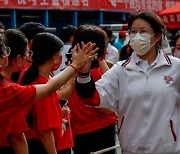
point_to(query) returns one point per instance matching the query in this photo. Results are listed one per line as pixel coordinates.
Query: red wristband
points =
(76, 70)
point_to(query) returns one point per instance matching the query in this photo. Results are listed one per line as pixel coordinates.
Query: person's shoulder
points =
(174, 59)
(112, 48)
(120, 63)
(14, 87)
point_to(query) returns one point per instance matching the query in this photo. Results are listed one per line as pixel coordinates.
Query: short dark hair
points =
(17, 42)
(176, 38)
(44, 46)
(2, 26)
(67, 32)
(108, 31)
(2, 48)
(30, 29)
(153, 19)
(91, 33)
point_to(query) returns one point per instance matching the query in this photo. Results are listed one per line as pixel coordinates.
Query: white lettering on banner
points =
(120, 1)
(55, 3)
(44, 2)
(134, 4)
(149, 5)
(143, 4)
(66, 2)
(160, 6)
(75, 2)
(85, 2)
(34, 2)
(172, 18)
(113, 3)
(6, 2)
(20, 2)
(157, 5)
(178, 17)
(165, 19)
(126, 3)
(173, 3)
(169, 3)
(154, 5)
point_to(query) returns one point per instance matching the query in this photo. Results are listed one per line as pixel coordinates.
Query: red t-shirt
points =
(23, 72)
(86, 119)
(47, 115)
(66, 142)
(14, 103)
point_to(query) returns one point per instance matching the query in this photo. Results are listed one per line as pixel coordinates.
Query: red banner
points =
(137, 5)
(114, 5)
(172, 21)
(171, 16)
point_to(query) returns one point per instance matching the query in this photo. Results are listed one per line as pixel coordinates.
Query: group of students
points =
(30, 110)
(141, 93)
(43, 123)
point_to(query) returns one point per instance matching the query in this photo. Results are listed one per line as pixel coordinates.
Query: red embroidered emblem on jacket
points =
(168, 79)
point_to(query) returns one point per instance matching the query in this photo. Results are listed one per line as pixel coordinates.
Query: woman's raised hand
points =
(82, 56)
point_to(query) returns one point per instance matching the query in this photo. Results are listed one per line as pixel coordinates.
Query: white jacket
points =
(149, 102)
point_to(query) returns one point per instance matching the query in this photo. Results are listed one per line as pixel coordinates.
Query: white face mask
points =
(140, 43)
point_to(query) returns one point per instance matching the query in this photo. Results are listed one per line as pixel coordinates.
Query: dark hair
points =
(67, 32)
(2, 26)
(2, 48)
(153, 19)
(125, 52)
(17, 42)
(44, 46)
(108, 31)
(176, 38)
(91, 33)
(30, 29)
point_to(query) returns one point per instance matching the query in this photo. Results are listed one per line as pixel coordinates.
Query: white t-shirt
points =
(112, 55)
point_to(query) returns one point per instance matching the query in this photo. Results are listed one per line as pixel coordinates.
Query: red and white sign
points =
(171, 16)
(118, 5)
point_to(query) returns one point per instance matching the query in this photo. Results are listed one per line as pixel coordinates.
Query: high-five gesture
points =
(82, 55)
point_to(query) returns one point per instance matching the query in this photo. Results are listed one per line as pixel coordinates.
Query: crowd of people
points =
(72, 93)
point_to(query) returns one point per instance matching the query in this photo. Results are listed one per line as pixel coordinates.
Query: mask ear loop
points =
(154, 42)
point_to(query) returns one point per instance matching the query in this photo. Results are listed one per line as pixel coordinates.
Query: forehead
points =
(140, 23)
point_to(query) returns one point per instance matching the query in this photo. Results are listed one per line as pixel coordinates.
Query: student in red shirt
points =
(46, 116)
(14, 99)
(93, 129)
(17, 44)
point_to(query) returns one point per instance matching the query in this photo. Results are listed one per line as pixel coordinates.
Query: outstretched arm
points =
(80, 59)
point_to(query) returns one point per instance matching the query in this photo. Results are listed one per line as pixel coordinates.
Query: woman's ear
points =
(158, 37)
(52, 60)
(18, 60)
(30, 44)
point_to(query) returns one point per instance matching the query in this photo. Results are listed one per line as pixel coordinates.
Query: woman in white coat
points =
(144, 90)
